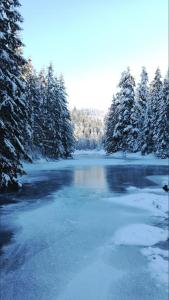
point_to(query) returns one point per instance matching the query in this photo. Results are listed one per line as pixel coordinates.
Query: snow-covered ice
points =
(140, 234)
(157, 204)
(87, 229)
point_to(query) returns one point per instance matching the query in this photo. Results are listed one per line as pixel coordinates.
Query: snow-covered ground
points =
(93, 157)
(100, 235)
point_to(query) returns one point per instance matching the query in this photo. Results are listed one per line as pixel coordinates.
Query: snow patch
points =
(157, 204)
(140, 235)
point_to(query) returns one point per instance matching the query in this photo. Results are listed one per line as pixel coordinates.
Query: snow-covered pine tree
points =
(56, 115)
(134, 142)
(156, 95)
(111, 141)
(124, 128)
(49, 129)
(147, 136)
(150, 128)
(66, 126)
(34, 98)
(142, 94)
(39, 134)
(162, 140)
(12, 102)
(28, 72)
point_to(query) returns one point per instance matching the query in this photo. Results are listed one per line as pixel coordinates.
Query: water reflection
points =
(93, 177)
(119, 178)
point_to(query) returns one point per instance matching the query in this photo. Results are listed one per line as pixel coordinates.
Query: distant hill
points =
(88, 128)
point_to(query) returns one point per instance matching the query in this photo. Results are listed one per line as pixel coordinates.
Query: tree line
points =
(34, 116)
(49, 131)
(88, 128)
(138, 118)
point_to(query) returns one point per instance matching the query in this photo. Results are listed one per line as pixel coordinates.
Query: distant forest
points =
(88, 127)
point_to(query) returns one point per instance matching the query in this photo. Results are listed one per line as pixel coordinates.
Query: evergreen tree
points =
(162, 140)
(111, 137)
(66, 126)
(39, 114)
(12, 102)
(30, 80)
(142, 94)
(150, 128)
(49, 130)
(57, 120)
(147, 144)
(156, 95)
(124, 128)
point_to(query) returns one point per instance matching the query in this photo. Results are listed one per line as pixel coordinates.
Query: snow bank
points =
(157, 204)
(137, 158)
(88, 152)
(139, 234)
(147, 235)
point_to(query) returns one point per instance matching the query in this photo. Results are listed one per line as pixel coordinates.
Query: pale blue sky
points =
(91, 42)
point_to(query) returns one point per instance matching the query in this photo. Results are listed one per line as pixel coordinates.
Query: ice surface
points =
(158, 264)
(68, 214)
(140, 234)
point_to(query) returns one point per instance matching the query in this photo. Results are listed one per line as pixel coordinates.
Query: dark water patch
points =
(119, 178)
(162, 223)
(6, 236)
(164, 245)
(7, 198)
(46, 183)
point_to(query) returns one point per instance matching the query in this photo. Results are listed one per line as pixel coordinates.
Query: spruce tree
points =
(49, 130)
(162, 148)
(150, 130)
(66, 125)
(40, 113)
(147, 144)
(124, 128)
(28, 74)
(13, 116)
(56, 115)
(156, 95)
(111, 140)
(142, 94)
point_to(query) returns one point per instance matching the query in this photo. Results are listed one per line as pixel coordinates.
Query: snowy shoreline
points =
(114, 159)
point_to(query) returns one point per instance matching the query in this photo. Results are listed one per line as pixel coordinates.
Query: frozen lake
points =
(57, 233)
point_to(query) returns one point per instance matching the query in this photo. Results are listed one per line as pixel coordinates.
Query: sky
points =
(92, 42)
